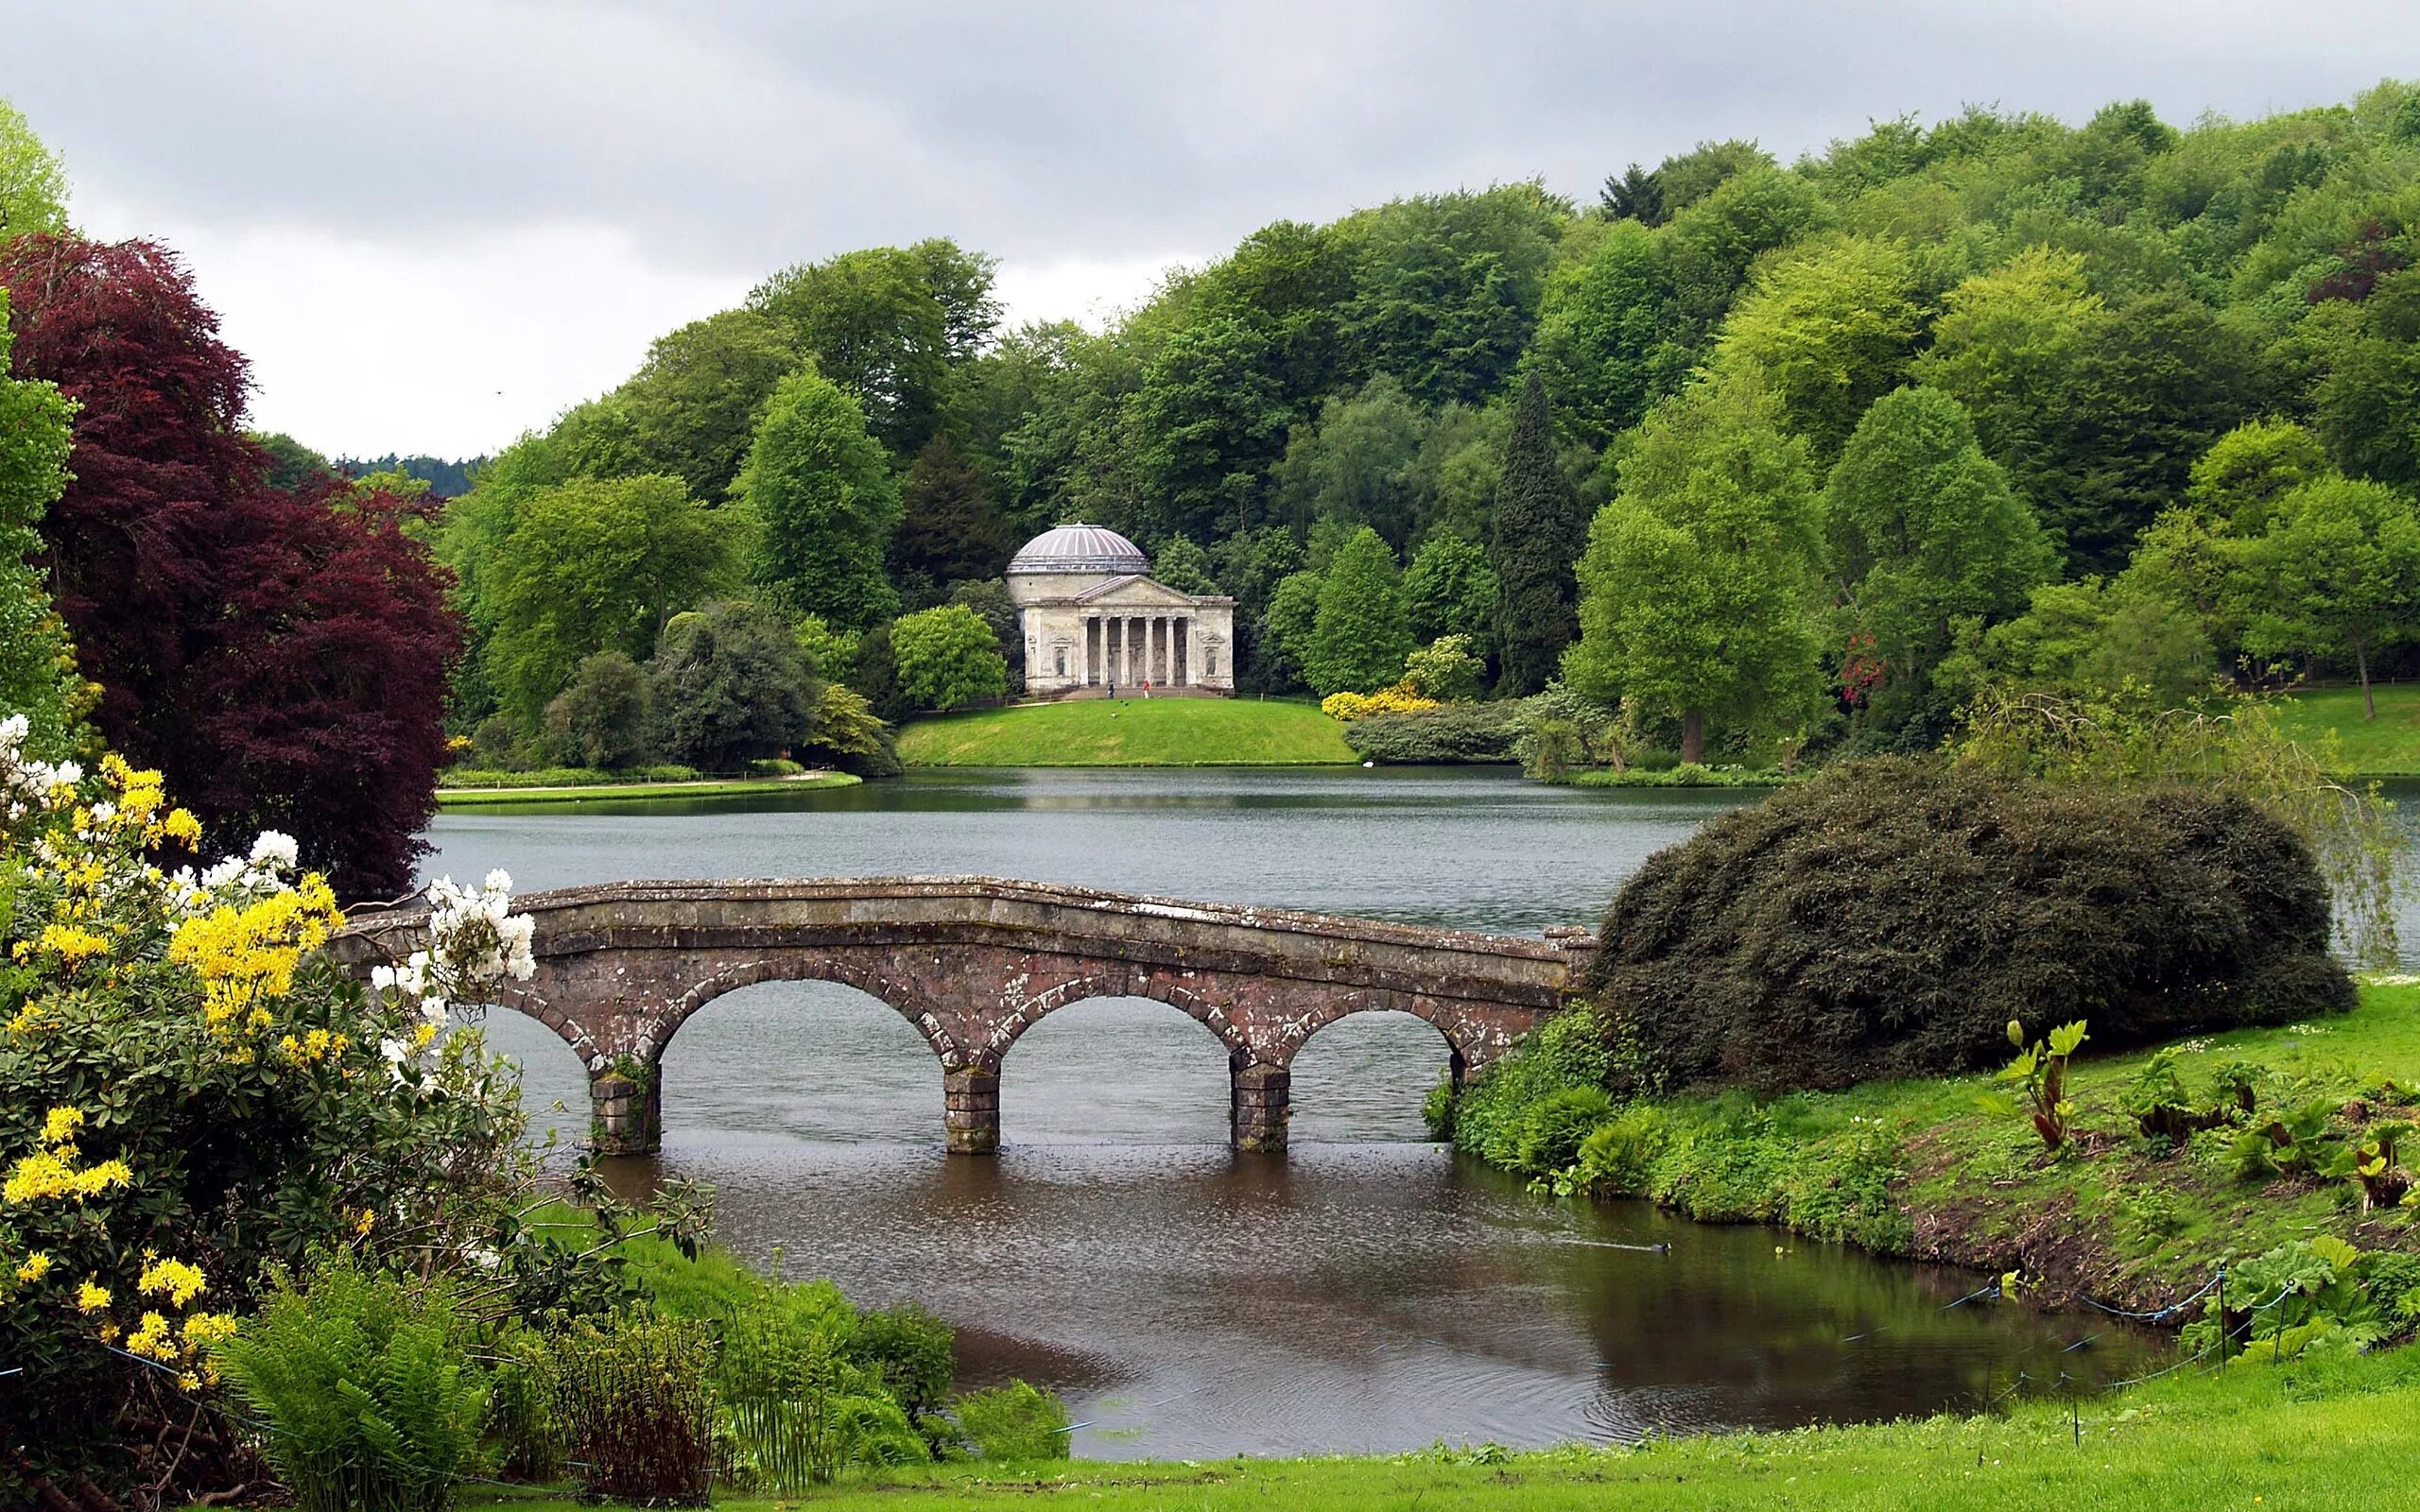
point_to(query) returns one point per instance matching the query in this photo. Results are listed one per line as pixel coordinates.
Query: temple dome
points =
(1079, 548)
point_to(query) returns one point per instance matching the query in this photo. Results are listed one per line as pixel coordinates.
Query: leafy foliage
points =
(370, 1402)
(947, 658)
(819, 491)
(1357, 638)
(729, 686)
(281, 657)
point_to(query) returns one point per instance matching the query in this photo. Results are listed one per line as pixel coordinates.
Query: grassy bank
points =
(1923, 1169)
(463, 798)
(1129, 732)
(2388, 745)
(2321, 1434)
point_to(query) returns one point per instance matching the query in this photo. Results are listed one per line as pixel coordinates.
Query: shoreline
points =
(464, 798)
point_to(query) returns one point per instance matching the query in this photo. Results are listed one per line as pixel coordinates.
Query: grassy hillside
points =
(2388, 745)
(1129, 732)
(2330, 1435)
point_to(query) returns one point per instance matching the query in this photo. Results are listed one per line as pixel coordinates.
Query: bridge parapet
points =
(975, 961)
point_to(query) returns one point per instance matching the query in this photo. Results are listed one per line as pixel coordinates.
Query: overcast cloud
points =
(433, 225)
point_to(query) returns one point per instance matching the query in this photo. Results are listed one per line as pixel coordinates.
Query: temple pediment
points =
(1135, 591)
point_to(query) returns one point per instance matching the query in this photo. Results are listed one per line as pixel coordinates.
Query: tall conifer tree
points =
(1538, 536)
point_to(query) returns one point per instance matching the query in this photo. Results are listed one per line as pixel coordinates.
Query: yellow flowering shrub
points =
(196, 1093)
(1399, 699)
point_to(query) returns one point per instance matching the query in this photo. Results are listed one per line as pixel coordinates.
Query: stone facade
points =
(1093, 620)
(973, 962)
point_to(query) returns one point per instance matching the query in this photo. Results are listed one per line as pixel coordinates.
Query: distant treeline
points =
(445, 479)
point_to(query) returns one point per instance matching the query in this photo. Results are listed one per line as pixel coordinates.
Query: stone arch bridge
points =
(973, 962)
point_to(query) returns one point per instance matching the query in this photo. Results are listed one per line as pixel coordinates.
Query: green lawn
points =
(464, 798)
(2388, 745)
(1129, 732)
(2331, 1435)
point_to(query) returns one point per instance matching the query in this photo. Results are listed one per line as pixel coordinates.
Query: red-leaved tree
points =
(281, 657)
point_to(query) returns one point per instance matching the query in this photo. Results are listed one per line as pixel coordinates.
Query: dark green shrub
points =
(636, 1406)
(362, 1381)
(1014, 1422)
(1890, 918)
(1451, 733)
(1556, 1124)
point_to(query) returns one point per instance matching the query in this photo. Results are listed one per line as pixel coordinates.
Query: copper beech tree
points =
(281, 656)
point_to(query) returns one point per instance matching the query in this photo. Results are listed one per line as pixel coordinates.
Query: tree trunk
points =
(1693, 736)
(2369, 699)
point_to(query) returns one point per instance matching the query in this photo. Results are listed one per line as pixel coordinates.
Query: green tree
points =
(33, 186)
(2009, 346)
(949, 530)
(1290, 281)
(1538, 536)
(885, 323)
(2093, 639)
(1209, 418)
(603, 718)
(996, 607)
(1608, 341)
(1183, 566)
(2337, 573)
(947, 658)
(730, 687)
(37, 667)
(693, 404)
(1925, 531)
(1714, 242)
(595, 565)
(1285, 630)
(1358, 639)
(1449, 287)
(1449, 589)
(1831, 330)
(820, 491)
(831, 654)
(2243, 472)
(2167, 380)
(1699, 586)
(1685, 177)
(291, 464)
(1358, 464)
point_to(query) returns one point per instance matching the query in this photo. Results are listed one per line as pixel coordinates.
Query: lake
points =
(1370, 1291)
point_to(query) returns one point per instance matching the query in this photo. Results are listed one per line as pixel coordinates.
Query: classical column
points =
(626, 1108)
(1258, 1099)
(971, 1110)
(1083, 651)
(1160, 657)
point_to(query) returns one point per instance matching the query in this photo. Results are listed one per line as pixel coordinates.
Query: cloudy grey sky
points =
(434, 224)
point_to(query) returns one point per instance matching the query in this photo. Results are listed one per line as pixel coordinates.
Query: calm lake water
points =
(1370, 1291)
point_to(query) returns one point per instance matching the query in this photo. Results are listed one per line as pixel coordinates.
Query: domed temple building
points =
(1095, 620)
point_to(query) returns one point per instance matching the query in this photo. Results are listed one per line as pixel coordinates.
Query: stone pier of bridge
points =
(974, 962)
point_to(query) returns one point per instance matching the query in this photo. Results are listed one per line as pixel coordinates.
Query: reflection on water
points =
(1371, 1291)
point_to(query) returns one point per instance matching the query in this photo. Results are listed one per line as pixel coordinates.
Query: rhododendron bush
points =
(192, 1092)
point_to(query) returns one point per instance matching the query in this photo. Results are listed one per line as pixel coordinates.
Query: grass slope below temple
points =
(461, 797)
(1129, 732)
(2301, 1436)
